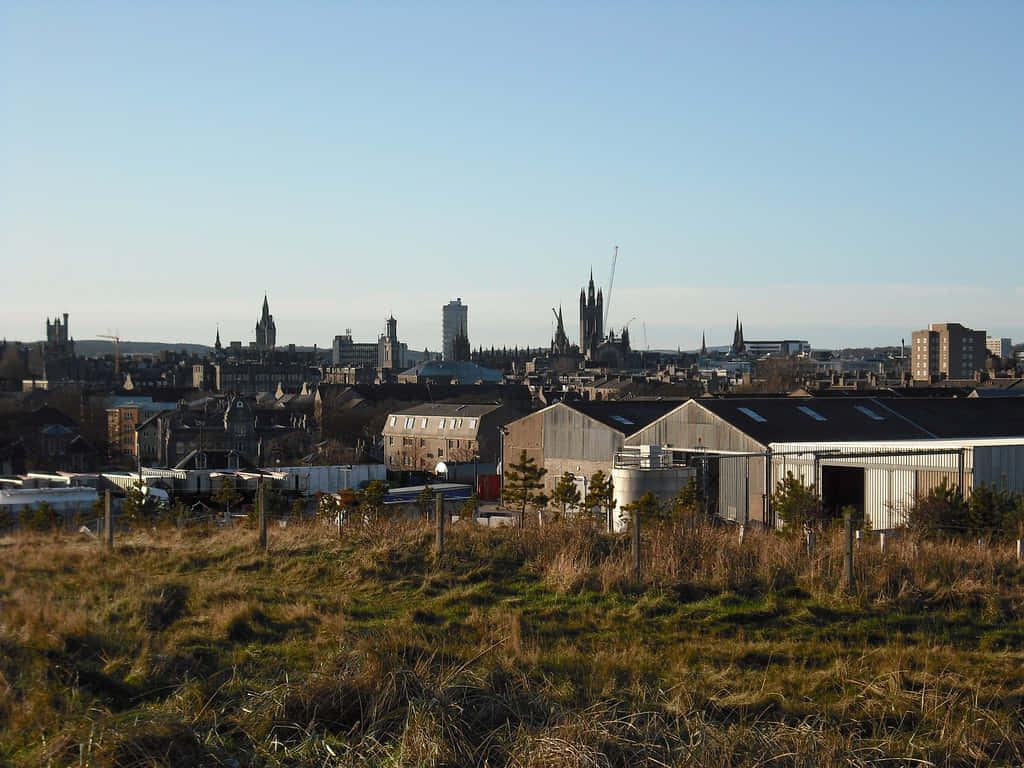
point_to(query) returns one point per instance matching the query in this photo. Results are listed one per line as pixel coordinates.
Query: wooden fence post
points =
(439, 538)
(881, 543)
(261, 500)
(743, 533)
(636, 545)
(848, 552)
(108, 521)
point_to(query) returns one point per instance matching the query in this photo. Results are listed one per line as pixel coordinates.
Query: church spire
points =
(703, 344)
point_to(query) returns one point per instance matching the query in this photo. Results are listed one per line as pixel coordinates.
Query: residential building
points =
(124, 414)
(454, 320)
(418, 438)
(947, 351)
(999, 347)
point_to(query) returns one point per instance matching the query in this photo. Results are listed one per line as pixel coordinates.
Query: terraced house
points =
(420, 437)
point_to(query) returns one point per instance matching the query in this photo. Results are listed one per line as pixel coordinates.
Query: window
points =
(869, 413)
(440, 452)
(423, 424)
(810, 412)
(472, 423)
(459, 424)
(754, 415)
(451, 444)
(391, 441)
(442, 423)
(392, 422)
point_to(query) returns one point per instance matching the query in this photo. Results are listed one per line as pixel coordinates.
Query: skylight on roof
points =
(754, 415)
(623, 420)
(811, 412)
(869, 413)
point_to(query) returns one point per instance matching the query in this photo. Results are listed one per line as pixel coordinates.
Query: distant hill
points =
(101, 347)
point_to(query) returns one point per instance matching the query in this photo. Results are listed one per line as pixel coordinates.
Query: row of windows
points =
(446, 423)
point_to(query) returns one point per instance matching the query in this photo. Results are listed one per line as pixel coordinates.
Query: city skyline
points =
(841, 174)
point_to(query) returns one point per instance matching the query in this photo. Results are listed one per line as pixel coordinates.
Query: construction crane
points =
(117, 352)
(608, 295)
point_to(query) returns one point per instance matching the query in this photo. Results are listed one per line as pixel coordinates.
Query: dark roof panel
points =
(860, 419)
(626, 416)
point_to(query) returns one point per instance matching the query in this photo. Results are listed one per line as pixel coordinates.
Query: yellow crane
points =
(117, 352)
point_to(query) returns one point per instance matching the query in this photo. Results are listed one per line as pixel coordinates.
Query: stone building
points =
(266, 331)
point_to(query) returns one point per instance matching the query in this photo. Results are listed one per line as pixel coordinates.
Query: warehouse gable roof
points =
(626, 416)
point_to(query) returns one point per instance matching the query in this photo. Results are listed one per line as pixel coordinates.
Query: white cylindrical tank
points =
(650, 470)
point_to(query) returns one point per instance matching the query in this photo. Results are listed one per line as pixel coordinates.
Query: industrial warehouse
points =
(875, 454)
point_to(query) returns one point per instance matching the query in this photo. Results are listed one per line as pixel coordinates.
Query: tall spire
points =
(217, 344)
(703, 344)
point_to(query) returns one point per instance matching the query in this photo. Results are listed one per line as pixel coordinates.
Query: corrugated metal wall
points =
(893, 477)
(691, 426)
(999, 465)
(568, 434)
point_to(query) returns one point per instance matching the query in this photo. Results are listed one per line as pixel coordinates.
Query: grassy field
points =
(535, 648)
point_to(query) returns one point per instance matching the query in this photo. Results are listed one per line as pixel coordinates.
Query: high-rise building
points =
(454, 319)
(999, 347)
(266, 331)
(946, 351)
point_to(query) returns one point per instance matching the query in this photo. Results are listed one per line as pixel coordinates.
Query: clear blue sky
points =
(840, 172)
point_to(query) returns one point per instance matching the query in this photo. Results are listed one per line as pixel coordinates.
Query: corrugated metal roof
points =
(785, 420)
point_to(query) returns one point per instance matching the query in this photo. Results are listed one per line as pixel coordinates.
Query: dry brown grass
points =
(528, 648)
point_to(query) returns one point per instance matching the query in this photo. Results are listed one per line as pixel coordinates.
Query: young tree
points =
(41, 518)
(426, 501)
(601, 495)
(6, 519)
(796, 504)
(538, 501)
(227, 495)
(522, 481)
(993, 511)
(371, 498)
(648, 508)
(942, 508)
(688, 503)
(566, 492)
(469, 508)
(139, 506)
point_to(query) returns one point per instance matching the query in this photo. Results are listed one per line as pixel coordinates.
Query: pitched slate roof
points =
(853, 419)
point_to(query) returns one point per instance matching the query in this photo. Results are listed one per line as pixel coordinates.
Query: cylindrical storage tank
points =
(633, 482)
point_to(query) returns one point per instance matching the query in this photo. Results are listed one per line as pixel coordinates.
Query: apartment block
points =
(947, 351)
(999, 347)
